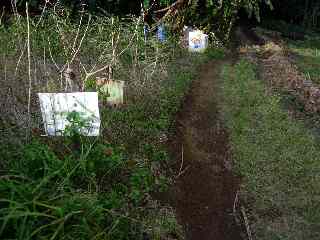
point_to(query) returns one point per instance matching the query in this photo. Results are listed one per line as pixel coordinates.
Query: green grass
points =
(308, 57)
(277, 156)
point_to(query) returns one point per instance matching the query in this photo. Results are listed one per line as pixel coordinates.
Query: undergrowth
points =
(85, 188)
(277, 157)
(76, 187)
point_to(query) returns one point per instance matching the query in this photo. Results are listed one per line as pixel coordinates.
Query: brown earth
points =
(205, 190)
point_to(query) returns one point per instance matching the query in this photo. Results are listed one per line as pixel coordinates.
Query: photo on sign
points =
(198, 41)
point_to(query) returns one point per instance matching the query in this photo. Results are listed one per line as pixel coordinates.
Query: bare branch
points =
(81, 41)
(94, 72)
(2, 14)
(78, 31)
(171, 7)
(29, 66)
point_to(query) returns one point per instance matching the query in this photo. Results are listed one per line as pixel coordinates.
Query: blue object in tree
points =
(145, 32)
(161, 33)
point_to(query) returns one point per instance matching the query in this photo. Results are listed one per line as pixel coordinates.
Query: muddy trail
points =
(205, 189)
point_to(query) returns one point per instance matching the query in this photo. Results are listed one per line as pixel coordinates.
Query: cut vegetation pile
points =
(276, 67)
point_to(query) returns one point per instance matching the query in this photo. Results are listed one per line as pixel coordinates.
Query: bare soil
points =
(205, 189)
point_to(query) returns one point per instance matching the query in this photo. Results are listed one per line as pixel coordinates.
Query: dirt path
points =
(205, 189)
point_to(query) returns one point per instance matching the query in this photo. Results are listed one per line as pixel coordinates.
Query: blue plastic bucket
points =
(161, 33)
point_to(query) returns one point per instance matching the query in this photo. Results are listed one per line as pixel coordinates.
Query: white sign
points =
(81, 108)
(198, 41)
(113, 89)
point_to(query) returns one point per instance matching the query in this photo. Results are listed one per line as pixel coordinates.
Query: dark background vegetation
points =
(301, 12)
(112, 7)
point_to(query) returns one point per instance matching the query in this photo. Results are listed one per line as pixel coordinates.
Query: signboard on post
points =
(198, 41)
(113, 89)
(56, 109)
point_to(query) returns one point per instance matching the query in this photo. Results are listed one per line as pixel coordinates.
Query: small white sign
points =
(198, 41)
(114, 90)
(56, 108)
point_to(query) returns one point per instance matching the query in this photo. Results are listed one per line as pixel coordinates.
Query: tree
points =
(217, 15)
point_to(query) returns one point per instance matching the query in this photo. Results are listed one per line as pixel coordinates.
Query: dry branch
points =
(29, 66)
(246, 222)
(173, 6)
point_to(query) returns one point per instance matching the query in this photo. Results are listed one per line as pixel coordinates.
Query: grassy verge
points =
(307, 57)
(278, 158)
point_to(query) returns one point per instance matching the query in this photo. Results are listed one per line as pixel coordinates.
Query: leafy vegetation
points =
(218, 16)
(277, 157)
(76, 187)
(83, 188)
(86, 188)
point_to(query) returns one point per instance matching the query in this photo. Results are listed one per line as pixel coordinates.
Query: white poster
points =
(62, 111)
(113, 89)
(198, 41)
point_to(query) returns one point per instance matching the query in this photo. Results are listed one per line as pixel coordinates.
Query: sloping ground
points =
(277, 155)
(276, 67)
(205, 188)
